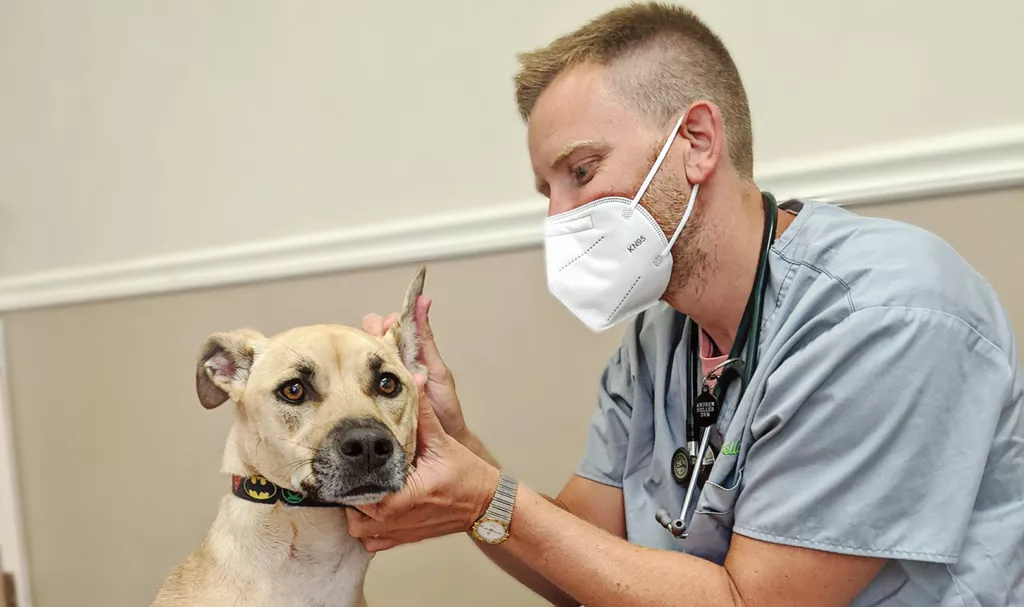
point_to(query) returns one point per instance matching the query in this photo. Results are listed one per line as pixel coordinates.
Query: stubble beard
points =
(666, 200)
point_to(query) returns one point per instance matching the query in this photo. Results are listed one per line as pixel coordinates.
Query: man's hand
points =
(451, 460)
(440, 388)
(446, 493)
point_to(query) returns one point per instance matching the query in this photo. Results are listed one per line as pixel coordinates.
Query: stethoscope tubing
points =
(679, 526)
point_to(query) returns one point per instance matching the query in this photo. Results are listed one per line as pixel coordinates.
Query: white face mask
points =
(608, 260)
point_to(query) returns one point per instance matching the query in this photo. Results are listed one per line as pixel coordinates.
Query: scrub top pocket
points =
(714, 515)
(718, 501)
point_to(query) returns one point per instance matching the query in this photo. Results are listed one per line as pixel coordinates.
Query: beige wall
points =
(133, 129)
(118, 461)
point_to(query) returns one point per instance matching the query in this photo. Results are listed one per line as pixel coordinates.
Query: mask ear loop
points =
(657, 164)
(682, 222)
(647, 182)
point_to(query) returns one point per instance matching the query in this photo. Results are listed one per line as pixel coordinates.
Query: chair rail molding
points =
(950, 164)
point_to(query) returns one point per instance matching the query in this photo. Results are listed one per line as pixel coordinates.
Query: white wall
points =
(133, 128)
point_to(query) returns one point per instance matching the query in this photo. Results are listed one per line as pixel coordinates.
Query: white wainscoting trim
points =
(956, 163)
(13, 555)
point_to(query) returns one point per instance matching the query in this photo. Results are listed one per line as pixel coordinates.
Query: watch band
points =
(504, 500)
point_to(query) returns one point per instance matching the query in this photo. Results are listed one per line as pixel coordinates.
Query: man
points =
(876, 456)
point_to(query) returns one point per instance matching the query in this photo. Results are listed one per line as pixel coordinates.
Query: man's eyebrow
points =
(569, 149)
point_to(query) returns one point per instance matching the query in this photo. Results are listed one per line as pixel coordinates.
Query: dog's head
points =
(327, 410)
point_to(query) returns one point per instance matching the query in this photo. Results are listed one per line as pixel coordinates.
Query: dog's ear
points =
(224, 364)
(403, 332)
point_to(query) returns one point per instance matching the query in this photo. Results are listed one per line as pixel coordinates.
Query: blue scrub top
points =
(885, 418)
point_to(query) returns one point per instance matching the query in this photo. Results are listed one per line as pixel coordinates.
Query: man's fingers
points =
(421, 382)
(388, 516)
(392, 506)
(362, 526)
(383, 541)
(373, 324)
(397, 538)
(375, 544)
(429, 430)
(372, 511)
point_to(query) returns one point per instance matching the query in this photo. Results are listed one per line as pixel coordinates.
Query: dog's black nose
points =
(366, 446)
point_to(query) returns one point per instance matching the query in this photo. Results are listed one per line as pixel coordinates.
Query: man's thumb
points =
(428, 427)
(428, 348)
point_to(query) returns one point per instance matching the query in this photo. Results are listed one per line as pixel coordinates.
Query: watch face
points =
(490, 530)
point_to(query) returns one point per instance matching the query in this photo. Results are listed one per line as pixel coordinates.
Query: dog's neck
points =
(299, 553)
(281, 555)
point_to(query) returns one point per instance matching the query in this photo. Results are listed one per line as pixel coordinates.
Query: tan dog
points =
(325, 415)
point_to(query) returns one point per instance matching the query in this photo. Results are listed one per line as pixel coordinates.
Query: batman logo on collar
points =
(258, 488)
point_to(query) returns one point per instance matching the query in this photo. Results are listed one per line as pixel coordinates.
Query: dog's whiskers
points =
(296, 443)
(295, 466)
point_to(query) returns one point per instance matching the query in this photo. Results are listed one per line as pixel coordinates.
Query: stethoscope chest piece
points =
(682, 464)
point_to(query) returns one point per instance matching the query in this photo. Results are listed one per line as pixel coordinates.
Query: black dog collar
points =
(259, 490)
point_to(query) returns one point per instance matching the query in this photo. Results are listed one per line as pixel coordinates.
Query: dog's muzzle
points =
(359, 461)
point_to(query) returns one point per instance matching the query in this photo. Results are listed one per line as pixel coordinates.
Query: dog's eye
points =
(293, 391)
(388, 385)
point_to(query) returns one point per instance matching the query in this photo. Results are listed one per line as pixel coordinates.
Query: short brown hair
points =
(661, 57)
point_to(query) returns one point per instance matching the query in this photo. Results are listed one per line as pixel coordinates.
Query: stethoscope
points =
(705, 407)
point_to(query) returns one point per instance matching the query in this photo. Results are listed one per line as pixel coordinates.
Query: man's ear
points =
(403, 332)
(224, 364)
(704, 129)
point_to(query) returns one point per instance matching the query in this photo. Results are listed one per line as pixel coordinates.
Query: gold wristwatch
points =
(494, 526)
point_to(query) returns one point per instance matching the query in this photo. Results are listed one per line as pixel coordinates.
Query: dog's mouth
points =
(367, 494)
(341, 489)
(330, 492)
(358, 462)
(362, 490)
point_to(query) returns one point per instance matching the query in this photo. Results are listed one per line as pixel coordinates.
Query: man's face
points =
(586, 143)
